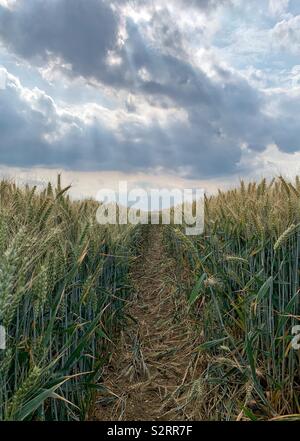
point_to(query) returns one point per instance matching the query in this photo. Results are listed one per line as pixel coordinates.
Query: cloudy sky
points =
(184, 92)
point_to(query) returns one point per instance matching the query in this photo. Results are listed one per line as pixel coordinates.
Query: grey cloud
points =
(80, 32)
(232, 106)
(83, 32)
(221, 115)
(169, 75)
(286, 34)
(165, 32)
(29, 130)
(207, 145)
(205, 4)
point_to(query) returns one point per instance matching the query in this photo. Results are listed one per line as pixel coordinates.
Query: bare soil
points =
(155, 369)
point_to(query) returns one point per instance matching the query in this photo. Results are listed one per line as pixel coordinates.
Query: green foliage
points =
(63, 283)
(249, 253)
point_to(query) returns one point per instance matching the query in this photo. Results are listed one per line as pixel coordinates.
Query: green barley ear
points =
(44, 212)
(87, 288)
(236, 259)
(40, 289)
(285, 185)
(49, 190)
(62, 192)
(24, 391)
(285, 235)
(31, 194)
(294, 190)
(51, 274)
(9, 265)
(3, 234)
(58, 189)
(5, 365)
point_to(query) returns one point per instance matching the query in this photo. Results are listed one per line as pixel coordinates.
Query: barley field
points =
(244, 287)
(144, 322)
(63, 282)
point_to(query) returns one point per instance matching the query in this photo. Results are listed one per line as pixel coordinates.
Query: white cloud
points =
(294, 76)
(87, 184)
(278, 7)
(286, 34)
(271, 162)
(7, 3)
(3, 78)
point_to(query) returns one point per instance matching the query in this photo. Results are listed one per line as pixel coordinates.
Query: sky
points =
(185, 93)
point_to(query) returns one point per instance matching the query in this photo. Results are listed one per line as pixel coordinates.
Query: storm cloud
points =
(79, 32)
(34, 132)
(175, 115)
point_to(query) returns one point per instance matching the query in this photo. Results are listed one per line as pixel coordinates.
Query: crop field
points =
(63, 282)
(144, 322)
(246, 268)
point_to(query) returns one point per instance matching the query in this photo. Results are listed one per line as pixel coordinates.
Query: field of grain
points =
(244, 288)
(63, 283)
(144, 322)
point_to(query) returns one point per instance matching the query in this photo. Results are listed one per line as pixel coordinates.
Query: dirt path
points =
(154, 372)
